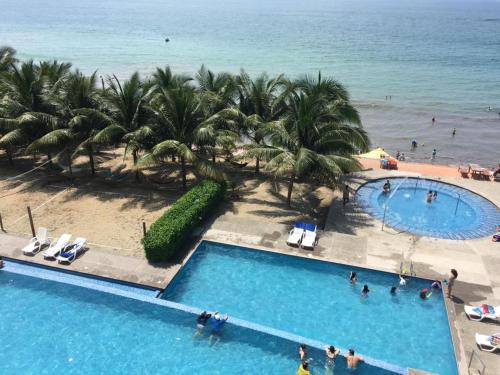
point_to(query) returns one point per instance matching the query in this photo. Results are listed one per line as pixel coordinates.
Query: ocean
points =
(404, 61)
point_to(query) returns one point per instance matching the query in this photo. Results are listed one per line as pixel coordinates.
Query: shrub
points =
(173, 228)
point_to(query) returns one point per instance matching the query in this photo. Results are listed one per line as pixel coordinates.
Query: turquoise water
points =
(315, 299)
(455, 214)
(435, 58)
(54, 328)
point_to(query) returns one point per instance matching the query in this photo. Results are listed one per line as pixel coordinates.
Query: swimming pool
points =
(314, 299)
(58, 327)
(456, 213)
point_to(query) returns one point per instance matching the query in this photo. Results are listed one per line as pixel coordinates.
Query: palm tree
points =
(217, 93)
(165, 79)
(261, 101)
(77, 100)
(127, 107)
(316, 136)
(178, 113)
(26, 113)
(7, 59)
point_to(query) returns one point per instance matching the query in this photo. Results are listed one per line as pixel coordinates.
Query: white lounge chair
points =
(56, 246)
(476, 313)
(72, 251)
(37, 243)
(310, 237)
(295, 235)
(488, 343)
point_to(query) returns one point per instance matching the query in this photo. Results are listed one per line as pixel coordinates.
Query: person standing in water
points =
(331, 355)
(365, 291)
(352, 359)
(454, 132)
(433, 120)
(434, 152)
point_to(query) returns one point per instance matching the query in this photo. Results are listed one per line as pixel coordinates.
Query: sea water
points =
(315, 299)
(403, 61)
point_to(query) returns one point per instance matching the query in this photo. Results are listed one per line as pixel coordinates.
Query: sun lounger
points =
(56, 247)
(464, 170)
(37, 243)
(310, 237)
(295, 235)
(72, 251)
(477, 312)
(488, 343)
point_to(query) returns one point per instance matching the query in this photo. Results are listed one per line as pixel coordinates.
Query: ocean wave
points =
(491, 20)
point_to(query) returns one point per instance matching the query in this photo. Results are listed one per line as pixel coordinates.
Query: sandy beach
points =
(110, 213)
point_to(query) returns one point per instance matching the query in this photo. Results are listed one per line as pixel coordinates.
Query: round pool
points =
(455, 213)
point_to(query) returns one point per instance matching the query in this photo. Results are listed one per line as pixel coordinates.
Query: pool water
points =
(49, 327)
(456, 213)
(315, 299)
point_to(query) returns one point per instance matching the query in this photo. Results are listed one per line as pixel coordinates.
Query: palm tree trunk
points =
(49, 156)
(257, 165)
(183, 171)
(91, 160)
(9, 155)
(69, 165)
(213, 158)
(290, 188)
(134, 156)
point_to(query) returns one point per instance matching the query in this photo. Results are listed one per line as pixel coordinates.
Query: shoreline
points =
(430, 169)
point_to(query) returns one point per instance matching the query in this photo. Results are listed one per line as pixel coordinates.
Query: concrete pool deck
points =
(352, 237)
(99, 262)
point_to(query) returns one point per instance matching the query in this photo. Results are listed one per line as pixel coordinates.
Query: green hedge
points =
(170, 231)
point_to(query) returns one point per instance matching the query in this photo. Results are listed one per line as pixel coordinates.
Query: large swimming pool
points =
(50, 325)
(456, 213)
(315, 299)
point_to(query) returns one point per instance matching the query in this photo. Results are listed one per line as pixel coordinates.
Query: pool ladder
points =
(404, 271)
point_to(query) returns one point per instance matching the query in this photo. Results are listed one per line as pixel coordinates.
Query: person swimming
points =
(430, 196)
(402, 280)
(352, 277)
(303, 369)
(201, 322)
(393, 290)
(365, 291)
(425, 294)
(436, 285)
(387, 186)
(303, 352)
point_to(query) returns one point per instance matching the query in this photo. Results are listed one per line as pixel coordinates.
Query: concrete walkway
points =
(98, 262)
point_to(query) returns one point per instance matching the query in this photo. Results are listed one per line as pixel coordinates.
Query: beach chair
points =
(478, 313)
(56, 247)
(37, 243)
(464, 170)
(72, 251)
(295, 235)
(488, 343)
(310, 237)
